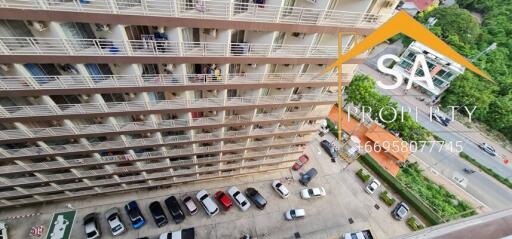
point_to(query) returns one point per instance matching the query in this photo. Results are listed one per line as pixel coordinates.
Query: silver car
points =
(114, 221)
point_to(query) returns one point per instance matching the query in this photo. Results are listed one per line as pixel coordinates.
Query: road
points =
(481, 186)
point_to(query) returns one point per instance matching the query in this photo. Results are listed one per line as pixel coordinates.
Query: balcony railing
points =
(145, 142)
(85, 162)
(122, 170)
(112, 107)
(221, 10)
(102, 172)
(115, 81)
(109, 47)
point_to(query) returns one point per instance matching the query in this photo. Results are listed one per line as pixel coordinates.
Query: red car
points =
(300, 162)
(224, 200)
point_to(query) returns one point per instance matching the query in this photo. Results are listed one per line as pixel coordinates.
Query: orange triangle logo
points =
(403, 23)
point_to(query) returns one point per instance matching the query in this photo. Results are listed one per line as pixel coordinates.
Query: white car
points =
(3, 230)
(114, 221)
(312, 193)
(208, 204)
(280, 189)
(372, 186)
(295, 214)
(239, 198)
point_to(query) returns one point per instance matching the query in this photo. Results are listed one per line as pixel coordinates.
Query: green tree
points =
(499, 114)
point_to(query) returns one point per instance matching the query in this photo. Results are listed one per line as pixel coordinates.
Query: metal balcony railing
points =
(115, 81)
(221, 10)
(109, 47)
(111, 107)
(143, 142)
(156, 175)
(102, 172)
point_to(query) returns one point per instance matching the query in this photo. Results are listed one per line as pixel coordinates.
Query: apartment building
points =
(107, 96)
(442, 69)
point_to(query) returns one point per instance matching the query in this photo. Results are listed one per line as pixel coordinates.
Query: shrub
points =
(386, 198)
(413, 224)
(362, 175)
(408, 196)
(490, 172)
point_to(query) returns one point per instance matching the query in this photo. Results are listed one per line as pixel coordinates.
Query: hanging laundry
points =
(201, 6)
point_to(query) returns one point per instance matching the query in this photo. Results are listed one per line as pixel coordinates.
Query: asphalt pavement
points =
(447, 162)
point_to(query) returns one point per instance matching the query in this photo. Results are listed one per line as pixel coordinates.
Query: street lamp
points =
(490, 48)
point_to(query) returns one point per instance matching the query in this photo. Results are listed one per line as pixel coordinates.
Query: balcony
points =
(85, 162)
(75, 82)
(157, 48)
(179, 174)
(144, 142)
(214, 10)
(15, 112)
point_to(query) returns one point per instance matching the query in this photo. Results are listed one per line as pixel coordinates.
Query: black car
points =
(329, 149)
(305, 178)
(158, 214)
(174, 209)
(256, 198)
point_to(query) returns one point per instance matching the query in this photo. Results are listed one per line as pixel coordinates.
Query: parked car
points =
(114, 221)
(3, 230)
(188, 233)
(305, 178)
(303, 159)
(158, 214)
(280, 189)
(372, 186)
(364, 234)
(239, 199)
(208, 204)
(92, 230)
(190, 205)
(329, 149)
(294, 214)
(400, 211)
(224, 200)
(135, 215)
(488, 149)
(174, 209)
(441, 119)
(258, 200)
(309, 193)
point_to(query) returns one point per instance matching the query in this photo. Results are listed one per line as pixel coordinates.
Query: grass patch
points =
(384, 196)
(412, 222)
(411, 199)
(440, 200)
(363, 175)
(490, 172)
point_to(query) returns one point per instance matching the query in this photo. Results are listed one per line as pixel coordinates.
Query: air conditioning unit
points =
(38, 25)
(102, 27)
(4, 67)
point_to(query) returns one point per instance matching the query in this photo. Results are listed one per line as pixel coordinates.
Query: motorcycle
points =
(468, 171)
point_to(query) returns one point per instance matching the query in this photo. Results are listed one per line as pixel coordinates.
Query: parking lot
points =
(326, 217)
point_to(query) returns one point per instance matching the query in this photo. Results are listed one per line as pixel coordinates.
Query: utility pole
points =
(340, 85)
(490, 48)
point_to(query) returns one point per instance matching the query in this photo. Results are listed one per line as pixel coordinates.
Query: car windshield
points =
(91, 234)
(292, 213)
(311, 192)
(112, 217)
(243, 203)
(278, 185)
(117, 228)
(203, 197)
